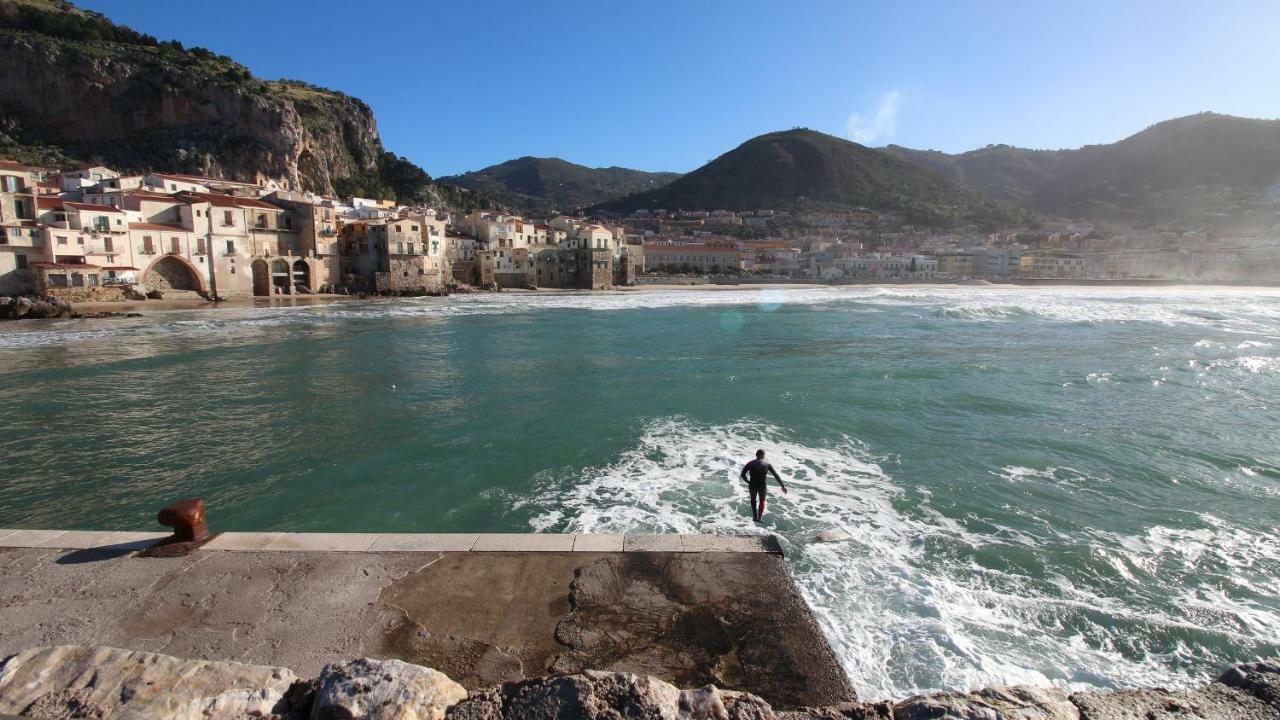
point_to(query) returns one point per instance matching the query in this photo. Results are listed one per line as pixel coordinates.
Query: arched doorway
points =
(280, 277)
(261, 278)
(171, 273)
(301, 275)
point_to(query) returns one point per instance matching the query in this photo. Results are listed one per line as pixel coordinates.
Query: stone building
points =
(21, 242)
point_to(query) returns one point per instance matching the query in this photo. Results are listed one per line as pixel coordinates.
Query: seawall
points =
(483, 608)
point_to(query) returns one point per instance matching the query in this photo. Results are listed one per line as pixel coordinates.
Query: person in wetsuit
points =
(759, 471)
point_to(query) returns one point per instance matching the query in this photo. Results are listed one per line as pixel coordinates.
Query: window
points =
(79, 239)
(20, 210)
(173, 186)
(108, 245)
(11, 183)
(22, 262)
(410, 248)
(227, 220)
(77, 280)
(199, 246)
(175, 245)
(93, 281)
(399, 248)
(59, 280)
(231, 247)
(413, 228)
(262, 220)
(147, 247)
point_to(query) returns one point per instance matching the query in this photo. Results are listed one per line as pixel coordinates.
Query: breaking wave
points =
(914, 601)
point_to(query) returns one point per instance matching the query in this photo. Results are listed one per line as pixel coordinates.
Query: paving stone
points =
(32, 538)
(424, 542)
(597, 542)
(729, 543)
(324, 542)
(523, 542)
(652, 543)
(79, 539)
(243, 541)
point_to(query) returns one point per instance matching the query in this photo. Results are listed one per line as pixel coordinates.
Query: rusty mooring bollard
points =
(186, 517)
(190, 529)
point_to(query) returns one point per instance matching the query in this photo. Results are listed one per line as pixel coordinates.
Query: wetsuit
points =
(759, 471)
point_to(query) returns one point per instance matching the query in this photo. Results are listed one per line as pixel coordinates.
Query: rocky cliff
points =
(77, 87)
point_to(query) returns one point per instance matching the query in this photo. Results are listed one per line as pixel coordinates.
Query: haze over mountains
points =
(80, 88)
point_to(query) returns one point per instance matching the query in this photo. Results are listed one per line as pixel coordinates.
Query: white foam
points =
(904, 606)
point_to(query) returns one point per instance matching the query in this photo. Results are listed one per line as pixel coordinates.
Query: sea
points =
(1071, 486)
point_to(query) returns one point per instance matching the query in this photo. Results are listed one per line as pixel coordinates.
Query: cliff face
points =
(130, 106)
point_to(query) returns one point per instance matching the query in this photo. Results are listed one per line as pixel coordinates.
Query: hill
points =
(803, 169)
(1193, 168)
(543, 186)
(77, 87)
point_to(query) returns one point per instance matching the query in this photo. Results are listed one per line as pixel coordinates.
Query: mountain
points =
(804, 169)
(1191, 168)
(543, 186)
(77, 87)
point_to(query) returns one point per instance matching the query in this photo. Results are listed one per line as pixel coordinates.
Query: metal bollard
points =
(187, 519)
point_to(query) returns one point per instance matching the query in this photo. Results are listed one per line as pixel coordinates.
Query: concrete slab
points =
(652, 543)
(79, 539)
(730, 543)
(597, 542)
(32, 538)
(424, 542)
(326, 542)
(733, 619)
(251, 541)
(6, 532)
(133, 540)
(523, 542)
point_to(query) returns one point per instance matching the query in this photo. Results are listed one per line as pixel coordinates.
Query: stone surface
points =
(384, 690)
(1212, 702)
(588, 696)
(124, 684)
(733, 620)
(1006, 703)
(1260, 679)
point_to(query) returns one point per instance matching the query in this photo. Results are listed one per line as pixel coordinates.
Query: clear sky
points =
(670, 84)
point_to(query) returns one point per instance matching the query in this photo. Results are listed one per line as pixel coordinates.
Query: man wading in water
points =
(759, 471)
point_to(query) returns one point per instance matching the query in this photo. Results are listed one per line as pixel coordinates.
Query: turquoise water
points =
(1075, 486)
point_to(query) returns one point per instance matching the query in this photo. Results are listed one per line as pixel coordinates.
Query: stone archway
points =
(261, 278)
(301, 275)
(280, 278)
(172, 273)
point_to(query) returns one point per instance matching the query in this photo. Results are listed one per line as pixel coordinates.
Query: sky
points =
(670, 85)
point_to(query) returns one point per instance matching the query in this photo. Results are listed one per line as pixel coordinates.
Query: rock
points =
(66, 705)
(1212, 702)
(384, 690)
(59, 681)
(1260, 679)
(587, 696)
(5, 300)
(24, 302)
(1006, 703)
(155, 295)
(832, 535)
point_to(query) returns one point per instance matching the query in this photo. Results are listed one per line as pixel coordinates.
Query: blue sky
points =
(660, 85)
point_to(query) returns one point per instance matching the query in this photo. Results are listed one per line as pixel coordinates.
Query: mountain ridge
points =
(545, 185)
(806, 169)
(1187, 168)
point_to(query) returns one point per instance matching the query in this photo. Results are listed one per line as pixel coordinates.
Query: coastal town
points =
(94, 234)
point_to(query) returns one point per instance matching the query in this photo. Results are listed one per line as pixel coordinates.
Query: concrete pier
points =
(690, 609)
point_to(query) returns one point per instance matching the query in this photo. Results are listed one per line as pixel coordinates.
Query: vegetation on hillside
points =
(543, 186)
(806, 170)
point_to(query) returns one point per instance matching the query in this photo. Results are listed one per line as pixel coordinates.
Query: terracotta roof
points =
(91, 206)
(118, 267)
(157, 226)
(49, 203)
(200, 179)
(229, 201)
(11, 165)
